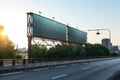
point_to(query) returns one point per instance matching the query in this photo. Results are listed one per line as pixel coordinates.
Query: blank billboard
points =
(76, 36)
(47, 28)
(42, 27)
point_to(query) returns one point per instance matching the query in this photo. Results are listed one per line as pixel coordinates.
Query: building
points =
(106, 43)
(22, 50)
(115, 49)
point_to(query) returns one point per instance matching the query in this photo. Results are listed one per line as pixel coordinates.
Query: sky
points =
(81, 14)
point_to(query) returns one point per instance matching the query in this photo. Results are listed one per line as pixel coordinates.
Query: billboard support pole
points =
(67, 33)
(29, 47)
(29, 33)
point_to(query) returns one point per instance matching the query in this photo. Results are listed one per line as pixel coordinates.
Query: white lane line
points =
(12, 73)
(59, 76)
(60, 66)
(40, 69)
(74, 64)
(109, 76)
(100, 64)
(92, 62)
(85, 68)
(84, 63)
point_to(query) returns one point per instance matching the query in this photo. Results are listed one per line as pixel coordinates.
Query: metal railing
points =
(10, 65)
(18, 62)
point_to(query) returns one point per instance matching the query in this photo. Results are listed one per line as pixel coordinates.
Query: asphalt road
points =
(98, 70)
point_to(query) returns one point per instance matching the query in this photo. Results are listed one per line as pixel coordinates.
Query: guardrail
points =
(12, 62)
(15, 62)
(10, 65)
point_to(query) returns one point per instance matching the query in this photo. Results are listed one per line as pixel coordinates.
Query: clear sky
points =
(81, 14)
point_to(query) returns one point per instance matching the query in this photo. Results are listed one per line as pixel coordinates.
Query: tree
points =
(96, 50)
(69, 51)
(66, 51)
(89, 50)
(7, 50)
(38, 52)
(79, 51)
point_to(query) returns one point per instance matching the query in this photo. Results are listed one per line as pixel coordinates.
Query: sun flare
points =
(4, 33)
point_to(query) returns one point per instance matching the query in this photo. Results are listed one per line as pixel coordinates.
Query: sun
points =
(4, 33)
(1, 29)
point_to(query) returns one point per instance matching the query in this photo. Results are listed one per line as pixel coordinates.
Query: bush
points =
(69, 51)
(18, 56)
(38, 52)
(114, 54)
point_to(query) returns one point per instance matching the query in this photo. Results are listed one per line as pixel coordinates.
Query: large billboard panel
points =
(42, 27)
(47, 28)
(76, 36)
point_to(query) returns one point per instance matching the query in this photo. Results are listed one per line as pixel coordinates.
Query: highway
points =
(97, 70)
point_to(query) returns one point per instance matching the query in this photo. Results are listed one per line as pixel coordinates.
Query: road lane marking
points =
(60, 66)
(109, 76)
(92, 62)
(85, 68)
(84, 63)
(40, 69)
(74, 64)
(100, 64)
(59, 76)
(12, 73)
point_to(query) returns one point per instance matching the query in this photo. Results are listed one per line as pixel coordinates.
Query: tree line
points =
(68, 51)
(7, 50)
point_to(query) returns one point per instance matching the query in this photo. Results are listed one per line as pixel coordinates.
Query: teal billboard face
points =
(42, 27)
(47, 28)
(76, 36)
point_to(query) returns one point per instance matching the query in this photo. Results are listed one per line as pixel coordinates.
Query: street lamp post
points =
(99, 33)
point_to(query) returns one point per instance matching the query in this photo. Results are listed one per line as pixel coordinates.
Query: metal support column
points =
(29, 47)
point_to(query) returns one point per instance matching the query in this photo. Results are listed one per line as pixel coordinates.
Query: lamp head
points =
(97, 33)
